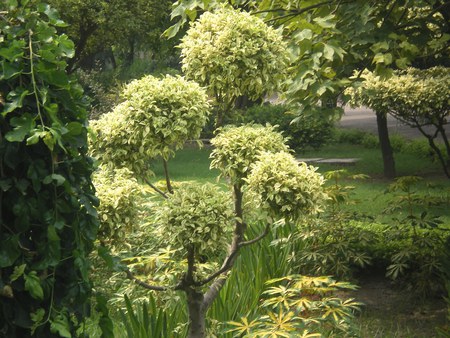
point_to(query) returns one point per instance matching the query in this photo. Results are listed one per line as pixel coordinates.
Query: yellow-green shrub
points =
(237, 148)
(157, 118)
(118, 192)
(287, 188)
(233, 53)
(197, 216)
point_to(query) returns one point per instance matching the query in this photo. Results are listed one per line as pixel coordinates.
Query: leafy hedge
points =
(308, 131)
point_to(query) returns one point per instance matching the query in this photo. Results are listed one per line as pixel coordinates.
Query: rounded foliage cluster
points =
(411, 95)
(118, 192)
(197, 216)
(286, 188)
(236, 148)
(234, 54)
(157, 117)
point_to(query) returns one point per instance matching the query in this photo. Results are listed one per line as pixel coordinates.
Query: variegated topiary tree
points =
(233, 54)
(205, 223)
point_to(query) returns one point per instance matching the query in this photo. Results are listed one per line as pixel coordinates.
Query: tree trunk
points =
(166, 173)
(197, 314)
(385, 145)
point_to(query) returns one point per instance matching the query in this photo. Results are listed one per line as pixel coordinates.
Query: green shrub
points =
(233, 53)
(287, 188)
(197, 216)
(309, 131)
(119, 193)
(352, 136)
(301, 306)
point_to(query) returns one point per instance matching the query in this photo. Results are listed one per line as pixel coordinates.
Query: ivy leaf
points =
(9, 251)
(18, 271)
(52, 14)
(14, 51)
(22, 127)
(105, 322)
(66, 46)
(54, 177)
(15, 100)
(10, 70)
(61, 326)
(37, 318)
(5, 184)
(33, 285)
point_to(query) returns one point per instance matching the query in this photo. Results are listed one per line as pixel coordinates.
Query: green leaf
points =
(105, 322)
(15, 100)
(61, 326)
(9, 251)
(37, 319)
(14, 51)
(54, 177)
(328, 52)
(18, 271)
(33, 285)
(52, 14)
(66, 46)
(22, 127)
(10, 70)
(5, 184)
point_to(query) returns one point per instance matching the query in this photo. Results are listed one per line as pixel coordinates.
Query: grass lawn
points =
(369, 195)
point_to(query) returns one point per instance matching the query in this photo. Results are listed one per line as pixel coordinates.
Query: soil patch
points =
(389, 311)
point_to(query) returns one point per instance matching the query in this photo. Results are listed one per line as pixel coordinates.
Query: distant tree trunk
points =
(85, 33)
(129, 58)
(112, 58)
(385, 145)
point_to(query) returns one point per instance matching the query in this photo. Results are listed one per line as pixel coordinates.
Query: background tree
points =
(48, 222)
(233, 54)
(418, 98)
(108, 29)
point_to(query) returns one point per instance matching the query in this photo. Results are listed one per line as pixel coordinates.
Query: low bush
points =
(301, 306)
(351, 136)
(308, 131)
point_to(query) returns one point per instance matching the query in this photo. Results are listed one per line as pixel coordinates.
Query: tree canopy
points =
(418, 98)
(157, 117)
(99, 26)
(234, 54)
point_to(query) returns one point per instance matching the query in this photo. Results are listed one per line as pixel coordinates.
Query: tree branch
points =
(144, 284)
(256, 239)
(166, 172)
(226, 266)
(213, 292)
(301, 10)
(159, 191)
